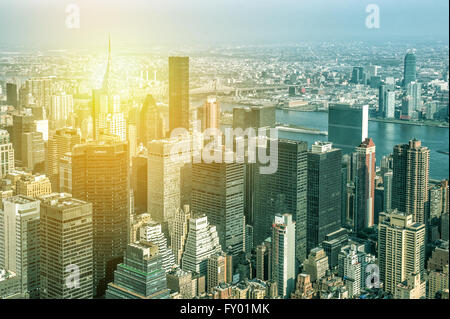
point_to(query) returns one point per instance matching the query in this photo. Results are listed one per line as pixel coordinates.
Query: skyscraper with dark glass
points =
(100, 176)
(178, 92)
(324, 192)
(283, 192)
(409, 68)
(218, 192)
(347, 126)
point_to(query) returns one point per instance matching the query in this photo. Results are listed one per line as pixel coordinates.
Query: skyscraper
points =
(6, 154)
(179, 231)
(283, 192)
(140, 276)
(150, 122)
(20, 244)
(202, 242)
(347, 126)
(66, 247)
(178, 92)
(218, 192)
(100, 176)
(61, 108)
(59, 143)
(364, 185)
(324, 192)
(283, 254)
(209, 113)
(22, 123)
(389, 112)
(151, 232)
(410, 179)
(409, 68)
(401, 248)
(387, 191)
(11, 94)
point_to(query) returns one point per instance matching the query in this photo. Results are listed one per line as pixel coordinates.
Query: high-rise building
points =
(283, 254)
(20, 242)
(59, 143)
(139, 180)
(347, 126)
(389, 112)
(182, 282)
(358, 75)
(209, 114)
(37, 91)
(140, 276)
(22, 123)
(409, 68)
(164, 179)
(218, 270)
(202, 242)
(179, 231)
(444, 226)
(61, 108)
(410, 179)
(150, 122)
(11, 94)
(66, 247)
(303, 287)
(100, 175)
(401, 248)
(33, 152)
(317, 264)
(414, 90)
(6, 154)
(178, 93)
(218, 192)
(283, 192)
(413, 287)
(364, 185)
(151, 232)
(264, 260)
(324, 192)
(387, 191)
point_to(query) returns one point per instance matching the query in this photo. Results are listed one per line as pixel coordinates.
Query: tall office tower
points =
(324, 192)
(283, 254)
(390, 105)
(33, 152)
(333, 244)
(116, 125)
(61, 108)
(414, 90)
(179, 231)
(178, 92)
(20, 244)
(347, 126)
(401, 248)
(218, 192)
(350, 258)
(65, 173)
(364, 185)
(218, 270)
(254, 117)
(140, 276)
(352, 273)
(164, 179)
(150, 122)
(410, 179)
(100, 176)
(59, 143)
(66, 247)
(317, 264)
(409, 68)
(382, 100)
(151, 232)
(408, 111)
(38, 91)
(387, 191)
(264, 260)
(6, 154)
(11, 95)
(181, 281)
(209, 114)
(358, 76)
(22, 123)
(283, 192)
(139, 180)
(248, 239)
(202, 242)
(33, 186)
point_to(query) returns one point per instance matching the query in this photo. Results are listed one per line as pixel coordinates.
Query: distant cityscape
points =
(297, 171)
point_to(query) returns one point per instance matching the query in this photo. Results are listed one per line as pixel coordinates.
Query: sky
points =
(184, 22)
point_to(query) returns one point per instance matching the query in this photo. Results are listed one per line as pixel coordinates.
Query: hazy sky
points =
(42, 22)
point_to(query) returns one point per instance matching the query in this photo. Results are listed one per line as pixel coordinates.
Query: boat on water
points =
(443, 152)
